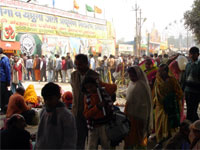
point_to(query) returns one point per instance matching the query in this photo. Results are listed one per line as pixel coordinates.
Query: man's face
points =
(51, 101)
(148, 65)
(194, 57)
(81, 66)
(16, 59)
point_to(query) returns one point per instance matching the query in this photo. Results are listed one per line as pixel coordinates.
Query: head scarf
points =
(30, 95)
(139, 102)
(67, 98)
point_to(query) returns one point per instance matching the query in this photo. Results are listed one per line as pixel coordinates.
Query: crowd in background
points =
(157, 89)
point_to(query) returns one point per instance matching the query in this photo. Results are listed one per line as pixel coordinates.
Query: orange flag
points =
(76, 5)
(97, 10)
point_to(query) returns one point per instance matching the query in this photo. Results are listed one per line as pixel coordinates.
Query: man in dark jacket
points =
(70, 66)
(191, 84)
(77, 77)
(5, 77)
(43, 68)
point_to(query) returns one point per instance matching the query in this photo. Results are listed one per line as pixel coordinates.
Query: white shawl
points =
(139, 101)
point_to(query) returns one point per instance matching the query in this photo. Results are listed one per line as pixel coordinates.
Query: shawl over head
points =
(30, 95)
(139, 102)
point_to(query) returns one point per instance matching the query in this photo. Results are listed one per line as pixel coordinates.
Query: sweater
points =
(16, 105)
(60, 136)
(94, 112)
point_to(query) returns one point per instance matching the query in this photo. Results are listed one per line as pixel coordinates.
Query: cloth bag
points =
(118, 128)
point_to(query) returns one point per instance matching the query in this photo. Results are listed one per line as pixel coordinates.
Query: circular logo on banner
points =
(27, 44)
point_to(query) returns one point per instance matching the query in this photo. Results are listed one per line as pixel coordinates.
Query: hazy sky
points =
(158, 12)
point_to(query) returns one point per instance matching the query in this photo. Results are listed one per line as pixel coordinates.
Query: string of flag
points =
(88, 8)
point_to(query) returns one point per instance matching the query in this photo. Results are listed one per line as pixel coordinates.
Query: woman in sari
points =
(138, 108)
(36, 66)
(167, 101)
(150, 71)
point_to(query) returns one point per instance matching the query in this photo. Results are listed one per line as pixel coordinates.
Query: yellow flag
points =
(97, 10)
(76, 5)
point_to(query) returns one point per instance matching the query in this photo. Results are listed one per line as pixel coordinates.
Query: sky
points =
(158, 13)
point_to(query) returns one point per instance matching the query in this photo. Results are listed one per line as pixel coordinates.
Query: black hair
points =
(149, 60)
(151, 55)
(88, 80)
(91, 55)
(13, 120)
(20, 90)
(1, 50)
(184, 126)
(156, 55)
(194, 50)
(132, 69)
(50, 89)
(165, 56)
(81, 57)
(165, 66)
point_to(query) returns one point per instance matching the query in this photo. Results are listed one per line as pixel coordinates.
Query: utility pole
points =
(187, 40)
(140, 25)
(136, 30)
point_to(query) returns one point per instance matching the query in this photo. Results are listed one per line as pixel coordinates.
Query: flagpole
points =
(104, 13)
(85, 10)
(94, 12)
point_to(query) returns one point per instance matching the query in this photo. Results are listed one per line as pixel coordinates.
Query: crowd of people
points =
(156, 92)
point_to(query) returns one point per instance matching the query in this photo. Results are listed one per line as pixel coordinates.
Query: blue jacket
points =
(5, 71)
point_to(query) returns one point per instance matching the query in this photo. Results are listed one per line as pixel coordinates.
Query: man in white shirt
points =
(29, 67)
(92, 62)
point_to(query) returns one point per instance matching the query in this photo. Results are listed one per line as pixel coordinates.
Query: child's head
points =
(16, 121)
(67, 99)
(89, 85)
(185, 127)
(51, 94)
(67, 96)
